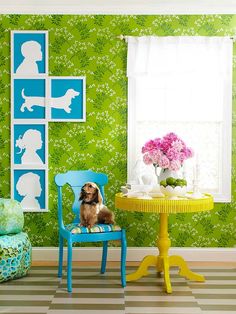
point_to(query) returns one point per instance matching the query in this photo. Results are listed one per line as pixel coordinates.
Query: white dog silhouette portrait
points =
(31, 51)
(30, 142)
(30, 101)
(28, 185)
(62, 102)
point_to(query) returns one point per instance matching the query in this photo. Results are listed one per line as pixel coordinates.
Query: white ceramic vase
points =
(166, 173)
(169, 191)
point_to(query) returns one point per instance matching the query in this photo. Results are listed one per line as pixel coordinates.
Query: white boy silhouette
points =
(29, 186)
(31, 141)
(31, 51)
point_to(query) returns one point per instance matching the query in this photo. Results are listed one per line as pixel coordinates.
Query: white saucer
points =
(133, 194)
(156, 194)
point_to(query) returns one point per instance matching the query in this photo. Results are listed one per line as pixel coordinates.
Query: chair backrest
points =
(76, 179)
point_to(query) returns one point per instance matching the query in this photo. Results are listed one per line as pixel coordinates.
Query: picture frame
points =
(30, 188)
(67, 98)
(29, 145)
(29, 53)
(29, 97)
(37, 99)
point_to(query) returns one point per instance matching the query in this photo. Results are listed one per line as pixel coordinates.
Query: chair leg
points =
(60, 263)
(123, 258)
(69, 266)
(104, 257)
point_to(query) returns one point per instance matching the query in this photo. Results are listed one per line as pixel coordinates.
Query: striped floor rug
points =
(41, 292)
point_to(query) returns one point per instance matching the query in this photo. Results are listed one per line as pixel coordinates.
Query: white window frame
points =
(224, 196)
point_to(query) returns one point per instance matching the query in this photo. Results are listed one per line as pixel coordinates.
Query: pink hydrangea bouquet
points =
(168, 152)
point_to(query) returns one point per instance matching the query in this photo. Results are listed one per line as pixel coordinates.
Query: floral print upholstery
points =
(15, 256)
(12, 218)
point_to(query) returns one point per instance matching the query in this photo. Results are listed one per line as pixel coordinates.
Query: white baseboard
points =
(137, 254)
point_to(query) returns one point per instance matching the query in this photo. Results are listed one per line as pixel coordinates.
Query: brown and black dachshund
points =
(92, 210)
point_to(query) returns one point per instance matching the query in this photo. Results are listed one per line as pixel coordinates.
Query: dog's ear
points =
(82, 194)
(100, 199)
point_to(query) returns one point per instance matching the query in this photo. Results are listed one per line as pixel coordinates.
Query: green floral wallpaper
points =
(88, 45)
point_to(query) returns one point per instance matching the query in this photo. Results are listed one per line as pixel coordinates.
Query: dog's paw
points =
(22, 108)
(90, 226)
(68, 110)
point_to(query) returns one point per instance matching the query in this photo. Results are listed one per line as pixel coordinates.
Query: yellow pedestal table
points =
(164, 206)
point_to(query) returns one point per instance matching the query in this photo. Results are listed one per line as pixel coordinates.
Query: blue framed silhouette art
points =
(30, 53)
(67, 99)
(30, 189)
(29, 144)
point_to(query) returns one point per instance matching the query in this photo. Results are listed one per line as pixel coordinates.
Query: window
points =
(183, 85)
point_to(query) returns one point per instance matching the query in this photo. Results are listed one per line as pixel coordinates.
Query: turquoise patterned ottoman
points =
(11, 216)
(15, 256)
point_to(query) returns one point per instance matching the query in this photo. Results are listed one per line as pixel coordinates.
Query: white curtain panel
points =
(184, 84)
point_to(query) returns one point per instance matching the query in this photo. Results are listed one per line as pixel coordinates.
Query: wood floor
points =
(114, 264)
(42, 292)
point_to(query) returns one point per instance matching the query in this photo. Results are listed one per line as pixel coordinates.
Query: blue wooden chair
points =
(76, 233)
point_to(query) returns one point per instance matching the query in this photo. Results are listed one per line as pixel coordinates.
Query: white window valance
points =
(147, 55)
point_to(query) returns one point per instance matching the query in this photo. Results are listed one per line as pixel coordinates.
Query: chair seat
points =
(76, 228)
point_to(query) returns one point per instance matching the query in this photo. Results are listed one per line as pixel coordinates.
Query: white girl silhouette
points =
(31, 51)
(31, 141)
(29, 186)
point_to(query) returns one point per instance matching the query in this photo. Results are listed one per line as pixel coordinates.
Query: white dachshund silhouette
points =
(31, 101)
(62, 102)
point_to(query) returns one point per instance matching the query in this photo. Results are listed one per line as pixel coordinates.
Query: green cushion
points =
(15, 256)
(76, 228)
(11, 216)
